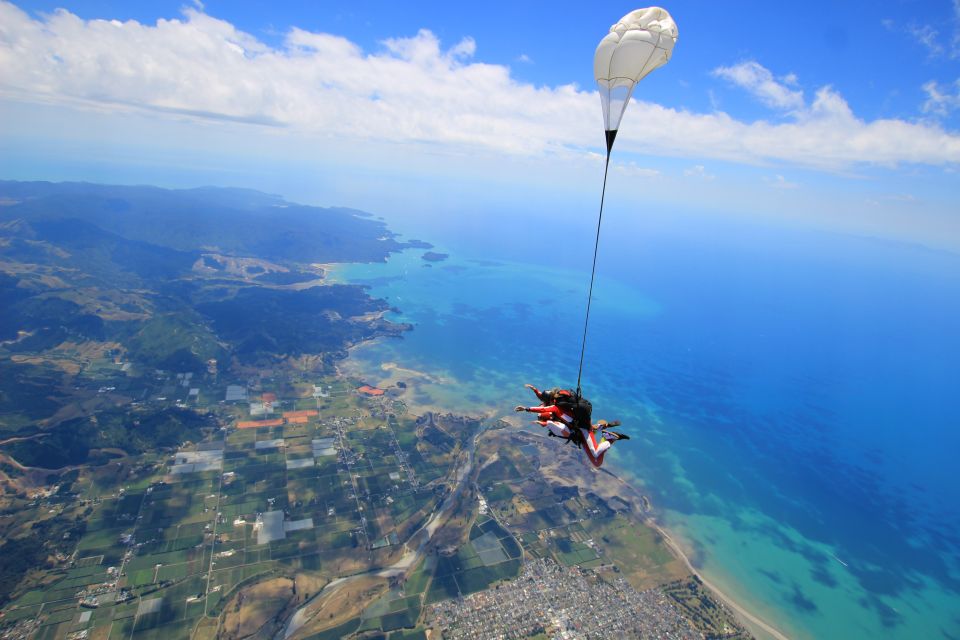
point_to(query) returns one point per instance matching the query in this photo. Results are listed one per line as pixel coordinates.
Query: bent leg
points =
(590, 439)
(557, 428)
(594, 450)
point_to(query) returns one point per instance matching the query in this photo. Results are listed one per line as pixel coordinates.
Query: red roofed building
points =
(253, 424)
(371, 391)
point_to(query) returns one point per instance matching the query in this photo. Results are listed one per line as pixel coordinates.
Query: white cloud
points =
(940, 101)
(955, 48)
(524, 58)
(901, 197)
(714, 101)
(466, 48)
(698, 171)
(760, 83)
(928, 37)
(413, 90)
(635, 171)
(825, 134)
(892, 198)
(779, 182)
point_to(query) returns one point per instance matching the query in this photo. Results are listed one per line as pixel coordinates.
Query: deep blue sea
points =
(793, 396)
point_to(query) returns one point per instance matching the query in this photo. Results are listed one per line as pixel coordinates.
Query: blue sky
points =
(842, 117)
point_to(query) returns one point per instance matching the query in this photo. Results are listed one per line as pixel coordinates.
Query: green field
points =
(183, 529)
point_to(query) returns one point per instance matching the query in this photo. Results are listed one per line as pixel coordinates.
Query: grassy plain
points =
(121, 332)
(341, 605)
(557, 512)
(167, 551)
(252, 608)
(192, 540)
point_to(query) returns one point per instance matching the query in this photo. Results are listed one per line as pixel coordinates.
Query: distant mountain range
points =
(229, 221)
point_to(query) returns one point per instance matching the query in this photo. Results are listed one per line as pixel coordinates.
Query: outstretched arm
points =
(538, 409)
(545, 413)
(520, 407)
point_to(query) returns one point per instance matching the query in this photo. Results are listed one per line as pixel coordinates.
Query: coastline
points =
(788, 552)
(750, 620)
(391, 372)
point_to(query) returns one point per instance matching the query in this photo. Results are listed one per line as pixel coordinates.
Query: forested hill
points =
(235, 221)
(94, 278)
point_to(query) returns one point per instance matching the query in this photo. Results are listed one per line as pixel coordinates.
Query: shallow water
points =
(791, 396)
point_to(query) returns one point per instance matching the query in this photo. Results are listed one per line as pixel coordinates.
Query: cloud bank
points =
(414, 90)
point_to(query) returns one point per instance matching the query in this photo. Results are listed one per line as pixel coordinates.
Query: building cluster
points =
(561, 602)
(22, 630)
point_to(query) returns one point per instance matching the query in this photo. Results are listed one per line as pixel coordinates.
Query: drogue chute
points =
(637, 44)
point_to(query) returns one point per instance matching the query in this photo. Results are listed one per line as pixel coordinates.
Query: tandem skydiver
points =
(568, 415)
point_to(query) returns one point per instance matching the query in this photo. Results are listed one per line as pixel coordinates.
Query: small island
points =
(433, 256)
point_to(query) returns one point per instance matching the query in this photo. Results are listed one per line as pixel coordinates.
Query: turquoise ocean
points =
(793, 396)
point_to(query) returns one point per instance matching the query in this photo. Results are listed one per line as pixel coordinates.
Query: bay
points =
(790, 394)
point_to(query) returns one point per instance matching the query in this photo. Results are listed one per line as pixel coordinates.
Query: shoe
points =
(613, 436)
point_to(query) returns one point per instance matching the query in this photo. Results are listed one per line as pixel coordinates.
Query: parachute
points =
(640, 42)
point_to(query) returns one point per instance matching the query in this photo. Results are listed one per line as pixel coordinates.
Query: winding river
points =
(302, 616)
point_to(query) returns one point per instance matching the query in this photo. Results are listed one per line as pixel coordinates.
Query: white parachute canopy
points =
(640, 42)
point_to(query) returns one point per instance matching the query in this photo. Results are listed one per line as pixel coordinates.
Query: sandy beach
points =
(627, 492)
(756, 625)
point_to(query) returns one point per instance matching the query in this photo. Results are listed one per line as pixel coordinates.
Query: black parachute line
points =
(611, 135)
